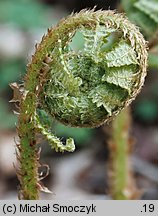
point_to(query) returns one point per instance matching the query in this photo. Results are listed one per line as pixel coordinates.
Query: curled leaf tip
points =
(86, 88)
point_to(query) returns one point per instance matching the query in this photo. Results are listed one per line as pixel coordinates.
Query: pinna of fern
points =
(81, 89)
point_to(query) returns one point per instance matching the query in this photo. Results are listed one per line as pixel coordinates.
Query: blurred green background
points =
(22, 24)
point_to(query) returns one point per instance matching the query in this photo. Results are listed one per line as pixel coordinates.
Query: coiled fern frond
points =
(84, 88)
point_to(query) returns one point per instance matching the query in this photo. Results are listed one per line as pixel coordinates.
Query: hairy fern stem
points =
(81, 89)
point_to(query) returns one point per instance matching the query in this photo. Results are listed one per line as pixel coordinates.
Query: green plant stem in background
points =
(122, 186)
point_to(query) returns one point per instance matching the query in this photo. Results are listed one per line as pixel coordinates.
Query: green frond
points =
(80, 89)
(144, 13)
(108, 96)
(122, 54)
(144, 22)
(95, 40)
(54, 141)
(121, 76)
(150, 8)
(113, 55)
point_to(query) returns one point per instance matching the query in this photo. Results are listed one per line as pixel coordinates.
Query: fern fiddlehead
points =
(79, 89)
